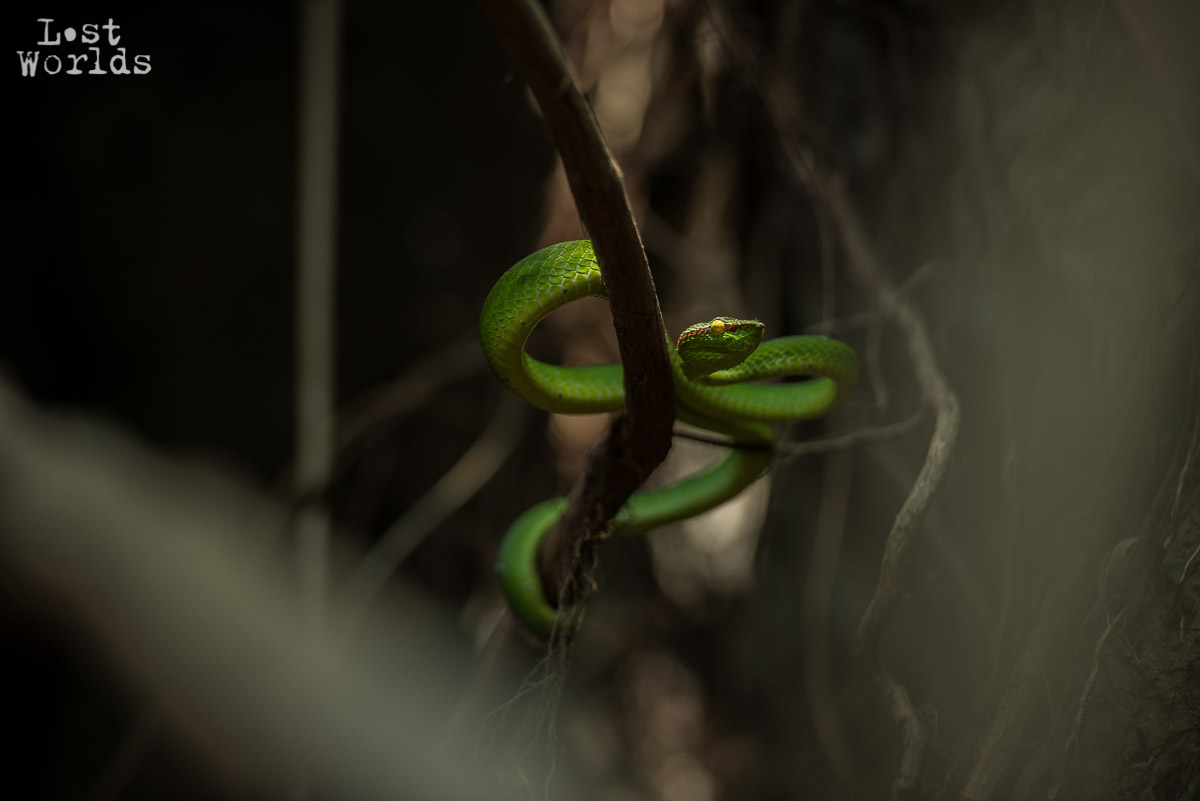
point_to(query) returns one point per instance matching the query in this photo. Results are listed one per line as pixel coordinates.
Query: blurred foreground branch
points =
(316, 257)
(165, 565)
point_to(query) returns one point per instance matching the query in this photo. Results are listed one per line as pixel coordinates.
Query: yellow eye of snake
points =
(717, 327)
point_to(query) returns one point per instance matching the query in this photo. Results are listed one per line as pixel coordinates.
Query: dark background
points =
(1028, 175)
(154, 215)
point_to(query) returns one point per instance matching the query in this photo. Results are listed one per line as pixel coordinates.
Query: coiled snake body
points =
(710, 362)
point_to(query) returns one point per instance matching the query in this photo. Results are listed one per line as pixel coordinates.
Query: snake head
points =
(717, 345)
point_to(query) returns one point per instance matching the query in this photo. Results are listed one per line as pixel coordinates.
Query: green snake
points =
(711, 363)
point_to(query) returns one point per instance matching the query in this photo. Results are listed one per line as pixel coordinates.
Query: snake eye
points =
(717, 327)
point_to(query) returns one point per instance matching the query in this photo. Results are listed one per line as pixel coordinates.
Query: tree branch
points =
(861, 260)
(937, 392)
(640, 439)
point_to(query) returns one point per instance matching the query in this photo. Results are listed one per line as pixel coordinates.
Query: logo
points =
(97, 54)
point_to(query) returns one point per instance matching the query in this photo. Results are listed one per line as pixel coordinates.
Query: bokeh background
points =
(1028, 176)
